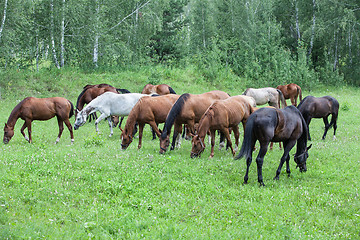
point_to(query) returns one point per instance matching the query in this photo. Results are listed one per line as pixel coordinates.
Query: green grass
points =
(93, 189)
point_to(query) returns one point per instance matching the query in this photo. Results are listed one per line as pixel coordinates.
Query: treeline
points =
(265, 42)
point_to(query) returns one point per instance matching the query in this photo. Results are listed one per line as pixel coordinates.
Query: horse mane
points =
(246, 91)
(301, 103)
(174, 112)
(122, 90)
(14, 115)
(171, 90)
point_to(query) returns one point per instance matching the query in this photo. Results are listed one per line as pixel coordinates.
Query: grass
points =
(93, 189)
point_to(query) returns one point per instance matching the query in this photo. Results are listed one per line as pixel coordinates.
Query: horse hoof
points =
(276, 178)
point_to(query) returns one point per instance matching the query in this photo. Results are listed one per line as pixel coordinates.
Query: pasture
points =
(93, 189)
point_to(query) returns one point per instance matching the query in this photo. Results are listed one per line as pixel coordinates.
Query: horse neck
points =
(302, 141)
(89, 109)
(204, 125)
(131, 119)
(14, 116)
(80, 100)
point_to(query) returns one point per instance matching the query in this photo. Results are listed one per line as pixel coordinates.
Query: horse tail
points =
(334, 110)
(122, 90)
(246, 147)
(281, 98)
(246, 91)
(299, 93)
(171, 90)
(172, 115)
(71, 113)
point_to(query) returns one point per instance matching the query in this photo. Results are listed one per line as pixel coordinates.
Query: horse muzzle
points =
(6, 141)
(162, 150)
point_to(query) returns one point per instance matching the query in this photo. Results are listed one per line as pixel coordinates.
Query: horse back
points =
(45, 108)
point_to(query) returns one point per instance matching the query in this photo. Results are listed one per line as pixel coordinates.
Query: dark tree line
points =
(271, 41)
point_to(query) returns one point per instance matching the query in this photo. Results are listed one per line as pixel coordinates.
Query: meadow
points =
(94, 190)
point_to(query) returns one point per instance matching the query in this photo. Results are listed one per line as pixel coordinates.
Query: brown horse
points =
(90, 92)
(148, 110)
(321, 107)
(42, 109)
(188, 109)
(291, 91)
(221, 115)
(161, 89)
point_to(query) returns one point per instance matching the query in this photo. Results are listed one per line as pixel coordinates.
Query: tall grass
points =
(93, 189)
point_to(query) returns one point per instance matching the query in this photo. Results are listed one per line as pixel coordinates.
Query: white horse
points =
(269, 95)
(108, 104)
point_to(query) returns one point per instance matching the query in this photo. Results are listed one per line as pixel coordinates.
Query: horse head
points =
(8, 133)
(126, 139)
(198, 146)
(80, 119)
(301, 159)
(164, 142)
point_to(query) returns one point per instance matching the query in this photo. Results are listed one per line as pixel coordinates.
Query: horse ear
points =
(6, 125)
(307, 149)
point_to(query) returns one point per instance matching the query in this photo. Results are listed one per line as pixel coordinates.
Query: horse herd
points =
(200, 114)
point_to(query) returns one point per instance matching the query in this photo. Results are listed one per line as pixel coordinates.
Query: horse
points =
(268, 95)
(221, 115)
(42, 109)
(291, 91)
(278, 125)
(321, 107)
(188, 109)
(148, 110)
(161, 89)
(108, 104)
(90, 92)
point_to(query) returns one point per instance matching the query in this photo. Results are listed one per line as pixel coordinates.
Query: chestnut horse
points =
(188, 109)
(266, 95)
(42, 109)
(148, 110)
(278, 125)
(161, 89)
(90, 92)
(321, 107)
(221, 115)
(291, 91)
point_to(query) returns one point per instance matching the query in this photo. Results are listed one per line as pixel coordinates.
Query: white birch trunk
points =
(96, 41)
(62, 41)
(312, 30)
(3, 20)
(298, 36)
(52, 34)
(336, 50)
(203, 25)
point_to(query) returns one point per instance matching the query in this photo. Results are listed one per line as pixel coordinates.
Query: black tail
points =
(122, 90)
(334, 110)
(71, 113)
(246, 147)
(172, 90)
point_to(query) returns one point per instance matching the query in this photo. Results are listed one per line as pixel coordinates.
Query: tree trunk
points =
(97, 35)
(3, 20)
(62, 41)
(298, 36)
(52, 34)
(312, 30)
(335, 50)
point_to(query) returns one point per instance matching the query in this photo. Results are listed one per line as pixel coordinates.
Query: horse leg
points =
(236, 135)
(227, 136)
(121, 120)
(102, 116)
(141, 129)
(327, 126)
(222, 140)
(61, 128)
(260, 161)
(174, 137)
(248, 163)
(308, 124)
(285, 157)
(334, 121)
(178, 137)
(110, 126)
(154, 132)
(22, 131)
(68, 124)
(212, 134)
(293, 101)
(155, 129)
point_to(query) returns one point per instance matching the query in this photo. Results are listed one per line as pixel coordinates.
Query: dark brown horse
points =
(148, 110)
(188, 109)
(90, 92)
(322, 107)
(278, 125)
(221, 115)
(42, 109)
(291, 91)
(161, 89)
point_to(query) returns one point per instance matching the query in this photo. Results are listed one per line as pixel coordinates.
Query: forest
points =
(266, 42)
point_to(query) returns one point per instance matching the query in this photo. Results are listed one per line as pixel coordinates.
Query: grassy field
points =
(93, 189)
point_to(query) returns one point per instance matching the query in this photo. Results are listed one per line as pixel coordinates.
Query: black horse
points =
(313, 107)
(275, 125)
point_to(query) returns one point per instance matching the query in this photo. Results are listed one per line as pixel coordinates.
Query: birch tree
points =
(52, 29)
(3, 19)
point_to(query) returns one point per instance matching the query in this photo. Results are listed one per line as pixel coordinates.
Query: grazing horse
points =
(322, 107)
(148, 110)
(268, 95)
(42, 109)
(188, 109)
(90, 92)
(221, 115)
(278, 125)
(291, 91)
(108, 104)
(161, 89)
